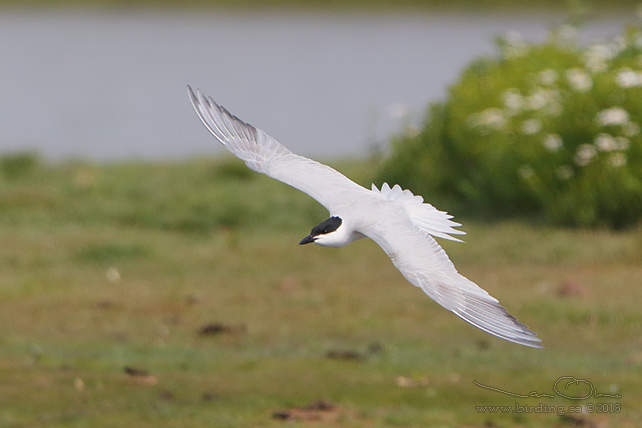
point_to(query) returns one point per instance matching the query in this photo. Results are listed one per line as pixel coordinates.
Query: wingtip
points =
(527, 338)
(534, 342)
(197, 96)
(194, 97)
(191, 92)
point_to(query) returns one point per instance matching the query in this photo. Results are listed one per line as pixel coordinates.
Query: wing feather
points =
(426, 265)
(424, 216)
(264, 154)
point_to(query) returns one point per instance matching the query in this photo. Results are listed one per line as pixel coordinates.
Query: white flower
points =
(538, 99)
(605, 143)
(631, 129)
(513, 101)
(548, 76)
(491, 117)
(579, 80)
(617, 159)
(513, 46)
(545, 100)
(612, 116)
(617, 45)
(525, 171)
(585, 154)
(531, 126)
(564, 172)
(596, 57)
(627, 78)
(552, 142)
(622, 143)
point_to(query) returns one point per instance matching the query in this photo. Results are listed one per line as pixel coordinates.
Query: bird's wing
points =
(264, 154)
(425, 264)
(423, 216)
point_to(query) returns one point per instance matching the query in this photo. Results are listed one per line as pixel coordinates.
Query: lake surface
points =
(111, 85)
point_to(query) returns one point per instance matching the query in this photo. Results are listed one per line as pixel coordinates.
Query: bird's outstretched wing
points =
(417, 255)
(264, 154)
(425, 264)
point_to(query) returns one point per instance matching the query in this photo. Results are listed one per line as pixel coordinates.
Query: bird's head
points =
(330, 233)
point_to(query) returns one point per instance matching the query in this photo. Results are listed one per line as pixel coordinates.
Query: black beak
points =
(308, 239)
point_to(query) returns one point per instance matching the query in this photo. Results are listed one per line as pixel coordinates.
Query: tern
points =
(401, 223)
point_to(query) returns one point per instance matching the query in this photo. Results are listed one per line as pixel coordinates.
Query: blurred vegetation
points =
(595, 5)
(548, 129)
(144, 195)
(175, 294)
(16, 165)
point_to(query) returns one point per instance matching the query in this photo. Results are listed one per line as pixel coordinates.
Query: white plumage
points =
(400, 222)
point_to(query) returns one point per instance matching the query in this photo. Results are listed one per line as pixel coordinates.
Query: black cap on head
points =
(328, 226)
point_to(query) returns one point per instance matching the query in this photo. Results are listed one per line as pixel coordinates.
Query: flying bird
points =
(401, 223)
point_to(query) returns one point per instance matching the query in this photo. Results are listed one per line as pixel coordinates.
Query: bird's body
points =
(398, 221)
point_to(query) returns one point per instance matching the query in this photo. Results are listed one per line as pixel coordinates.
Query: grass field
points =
(165, 295)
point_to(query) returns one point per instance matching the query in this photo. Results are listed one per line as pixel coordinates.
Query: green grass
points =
(104, 267)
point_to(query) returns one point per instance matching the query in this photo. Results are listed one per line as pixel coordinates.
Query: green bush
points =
(18, 165)
(548, 129)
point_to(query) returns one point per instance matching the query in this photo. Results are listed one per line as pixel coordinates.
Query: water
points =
(111, 85)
